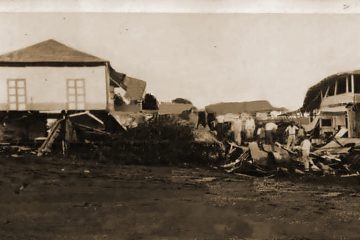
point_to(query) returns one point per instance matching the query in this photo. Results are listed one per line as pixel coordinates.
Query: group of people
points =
(294, 133)
(264, 133)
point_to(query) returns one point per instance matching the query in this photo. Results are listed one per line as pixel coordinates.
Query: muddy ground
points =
(67, 199)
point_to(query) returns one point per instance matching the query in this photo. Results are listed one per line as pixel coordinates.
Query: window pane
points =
(21, 91)
(349, 84)
(12, 106)
(71, 91)
(12, 91)
(22, 106)
(331, 90)
(12, 99)
(357, 83)
(72, 106)
(326, 122)
(20, 83)
(72, 99)
(80, 83)
(21, 99)
(81, 106)
(341, 86)
(71, 83)
(12, 83)
(80, 91)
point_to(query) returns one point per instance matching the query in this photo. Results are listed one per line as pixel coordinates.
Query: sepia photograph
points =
(165, 119)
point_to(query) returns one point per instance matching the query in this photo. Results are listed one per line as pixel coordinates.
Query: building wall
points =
(46, 87)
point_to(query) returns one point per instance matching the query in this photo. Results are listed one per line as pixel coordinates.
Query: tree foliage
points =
(150, 102)
(181, 100)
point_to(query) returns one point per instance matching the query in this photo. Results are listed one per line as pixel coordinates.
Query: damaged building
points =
(42, 81)
(334, 105)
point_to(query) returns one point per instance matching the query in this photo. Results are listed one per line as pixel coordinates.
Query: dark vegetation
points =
(150, 102)
(181, 100)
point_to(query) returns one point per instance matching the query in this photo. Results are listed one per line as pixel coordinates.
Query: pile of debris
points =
(164, 142)
(340, 157)
(130, 139)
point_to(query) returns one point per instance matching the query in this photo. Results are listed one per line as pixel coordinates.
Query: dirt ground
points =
(65, 199)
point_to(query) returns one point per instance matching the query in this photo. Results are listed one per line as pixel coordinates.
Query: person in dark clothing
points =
(201, 119)
(211, 121)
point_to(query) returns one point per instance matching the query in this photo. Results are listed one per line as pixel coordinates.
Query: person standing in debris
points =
(260, 134)
(211, 120)
(270, 129)
(236, 127)
(291, 131)
(301, 133)
(305, 150)
(63, 132)
(201, 119)
(249, 128)
(220, 127)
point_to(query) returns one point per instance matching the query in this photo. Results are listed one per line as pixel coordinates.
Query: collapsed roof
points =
(313, 96)
(242, 107)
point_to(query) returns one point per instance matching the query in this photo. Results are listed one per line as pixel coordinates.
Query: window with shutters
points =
(16, 94)
(76, 94)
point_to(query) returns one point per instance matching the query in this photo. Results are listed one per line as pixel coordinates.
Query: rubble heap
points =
(340, 157)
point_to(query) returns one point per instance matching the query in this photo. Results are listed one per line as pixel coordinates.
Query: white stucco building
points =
(50, 76)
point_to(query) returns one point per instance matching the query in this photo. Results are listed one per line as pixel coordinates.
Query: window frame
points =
(16, 87)
(326, 119)
(79, 99)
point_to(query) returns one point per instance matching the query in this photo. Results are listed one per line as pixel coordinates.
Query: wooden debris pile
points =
(332, 159)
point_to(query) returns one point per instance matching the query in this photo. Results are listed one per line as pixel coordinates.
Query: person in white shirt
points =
(261, 134)
(291, 131)
(236, 127)
(305, 150)
(249, 128)
(220, 127)
(270, 129)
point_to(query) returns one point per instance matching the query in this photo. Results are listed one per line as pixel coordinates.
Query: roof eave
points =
(52, 63)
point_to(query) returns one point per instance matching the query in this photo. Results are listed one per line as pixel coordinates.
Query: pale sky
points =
(205, 58)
